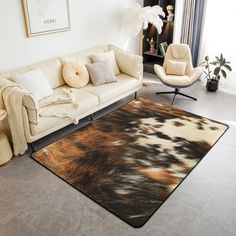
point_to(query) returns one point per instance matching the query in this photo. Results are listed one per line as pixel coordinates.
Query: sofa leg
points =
(135, 95)
(32, 147)
(91, 117)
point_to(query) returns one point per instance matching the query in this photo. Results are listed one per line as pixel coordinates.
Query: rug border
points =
(140, 226)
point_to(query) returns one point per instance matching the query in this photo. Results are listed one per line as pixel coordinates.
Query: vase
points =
(212, 85)
(152, 49)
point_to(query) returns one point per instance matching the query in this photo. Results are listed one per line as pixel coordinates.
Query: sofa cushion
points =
(128, 63)
(35, 83)
(107, 56)
(101, 73)
(51, 68)
(178, 80)
(86, 101)
(75, 74)
(107, 92)
(175, 68)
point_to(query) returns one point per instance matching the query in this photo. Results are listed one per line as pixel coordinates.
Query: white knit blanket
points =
(61, 104)
(13, 95)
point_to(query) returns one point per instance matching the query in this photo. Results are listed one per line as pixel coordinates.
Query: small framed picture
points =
(163, 48)
(46, 16)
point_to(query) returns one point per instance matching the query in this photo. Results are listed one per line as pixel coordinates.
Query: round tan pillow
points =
(75, 74)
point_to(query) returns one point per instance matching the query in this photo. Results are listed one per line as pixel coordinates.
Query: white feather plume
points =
(137, 18)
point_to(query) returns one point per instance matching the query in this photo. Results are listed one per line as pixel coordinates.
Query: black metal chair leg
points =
(176, 92)
(135, 95)
(171, 92)
(173, 99)
(185, 95)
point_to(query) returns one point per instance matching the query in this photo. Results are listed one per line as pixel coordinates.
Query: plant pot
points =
(212, 85)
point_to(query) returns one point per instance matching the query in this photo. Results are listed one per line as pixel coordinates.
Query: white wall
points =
(94, 22)
(219, 36)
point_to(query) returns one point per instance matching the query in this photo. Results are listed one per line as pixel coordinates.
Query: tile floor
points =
(34, 202)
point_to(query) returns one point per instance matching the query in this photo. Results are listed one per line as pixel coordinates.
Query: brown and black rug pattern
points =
(133, 158)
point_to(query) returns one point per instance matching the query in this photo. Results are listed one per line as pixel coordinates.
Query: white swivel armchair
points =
(177, 71)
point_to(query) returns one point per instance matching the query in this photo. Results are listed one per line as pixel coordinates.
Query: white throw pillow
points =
(35, 83)
(107, 56)
(175, 68)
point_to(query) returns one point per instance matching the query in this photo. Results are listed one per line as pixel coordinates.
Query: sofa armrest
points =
(32, 107)
(160, 71)
(28, 101)
(128, 63)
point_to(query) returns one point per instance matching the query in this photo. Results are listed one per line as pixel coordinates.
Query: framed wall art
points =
(163, 48)
(46, 16)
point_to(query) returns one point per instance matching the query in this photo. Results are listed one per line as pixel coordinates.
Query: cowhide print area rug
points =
(132, 159)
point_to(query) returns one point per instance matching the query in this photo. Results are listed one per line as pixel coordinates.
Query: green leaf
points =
(222, 62)
(217, 71)
(228, 67)
(214, 63)
(217, 58)
(224, 73)
(221, 57)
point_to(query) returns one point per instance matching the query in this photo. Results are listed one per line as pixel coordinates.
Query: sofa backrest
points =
(51, 68)
(84, 56)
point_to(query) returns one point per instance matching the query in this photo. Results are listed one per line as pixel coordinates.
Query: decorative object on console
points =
(44, 17)
(5, 148)
(75, 74)
(132, 159)
(213, 76)
(166, 35)
(107, 56)
(101, 73)
(170, 16)
(176, 56)
(163, 48)
(137, 18)
(152, 44)
(34, 82)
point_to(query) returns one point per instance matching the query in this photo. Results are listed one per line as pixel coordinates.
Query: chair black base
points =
(176, 92)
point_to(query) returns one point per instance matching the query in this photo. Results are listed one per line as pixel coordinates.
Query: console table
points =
(5, 148)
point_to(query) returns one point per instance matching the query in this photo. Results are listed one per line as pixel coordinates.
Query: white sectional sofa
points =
(90, 98)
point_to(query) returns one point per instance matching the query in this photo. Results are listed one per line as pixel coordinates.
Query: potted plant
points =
(213, 76)
(152, 44)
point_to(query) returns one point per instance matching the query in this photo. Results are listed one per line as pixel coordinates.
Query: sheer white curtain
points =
(219, 35)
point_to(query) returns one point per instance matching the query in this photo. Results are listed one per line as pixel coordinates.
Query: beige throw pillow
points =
(107, 56)
(101, 73)
(175, 68)
(75, 74)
